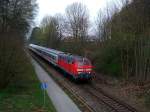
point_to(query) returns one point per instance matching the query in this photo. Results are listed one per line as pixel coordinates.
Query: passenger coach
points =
(76, 66)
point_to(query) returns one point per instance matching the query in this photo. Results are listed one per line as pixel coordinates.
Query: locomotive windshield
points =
(83, 61)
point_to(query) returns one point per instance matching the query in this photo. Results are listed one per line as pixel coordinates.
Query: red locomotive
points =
(76, 66)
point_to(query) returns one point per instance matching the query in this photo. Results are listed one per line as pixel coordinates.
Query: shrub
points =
(147, 99)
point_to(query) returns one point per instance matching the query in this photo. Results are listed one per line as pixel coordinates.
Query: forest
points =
(119, 45)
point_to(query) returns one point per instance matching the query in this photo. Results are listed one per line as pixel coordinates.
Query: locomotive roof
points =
(76, 57)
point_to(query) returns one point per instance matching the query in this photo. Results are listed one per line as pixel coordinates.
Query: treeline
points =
(16, 17)
(73, 26)
(127, 48)
(120, 45)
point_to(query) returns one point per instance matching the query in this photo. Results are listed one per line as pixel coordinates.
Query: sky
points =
(51, 7)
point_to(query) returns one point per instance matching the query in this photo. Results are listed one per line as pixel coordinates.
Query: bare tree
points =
(61, 29)
(100, 25)
(78, 20)
(104, 21)
(50, 31)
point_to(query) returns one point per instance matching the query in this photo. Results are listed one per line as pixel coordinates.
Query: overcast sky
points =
(51, 7)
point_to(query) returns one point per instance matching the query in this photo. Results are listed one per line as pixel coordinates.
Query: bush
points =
(147, 99)
(108, 59)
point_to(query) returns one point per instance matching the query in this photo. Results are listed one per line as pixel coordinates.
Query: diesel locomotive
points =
(76, 66)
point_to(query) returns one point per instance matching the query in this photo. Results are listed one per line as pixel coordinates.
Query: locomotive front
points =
(84, 68)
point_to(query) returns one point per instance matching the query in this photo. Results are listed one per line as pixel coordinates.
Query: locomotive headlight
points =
(80, 70)
(88, 69)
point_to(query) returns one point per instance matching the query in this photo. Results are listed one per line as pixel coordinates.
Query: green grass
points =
(25, 95)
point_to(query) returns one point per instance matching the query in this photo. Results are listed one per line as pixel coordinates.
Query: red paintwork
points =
(72, 68)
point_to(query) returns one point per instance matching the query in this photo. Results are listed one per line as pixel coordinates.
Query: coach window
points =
(66, 59)
(70, 60)
(45, 53)
(73, 61)
(63, 59)
(53, 57)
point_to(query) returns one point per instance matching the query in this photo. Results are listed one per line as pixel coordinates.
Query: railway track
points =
(112, 103)
(99, 97)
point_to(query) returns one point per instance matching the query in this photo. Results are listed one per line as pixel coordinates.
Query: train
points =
(78, 67)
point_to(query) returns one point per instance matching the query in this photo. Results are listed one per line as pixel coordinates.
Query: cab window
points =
(83, 61)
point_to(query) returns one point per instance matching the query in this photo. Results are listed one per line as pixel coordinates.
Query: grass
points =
(25, 95)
